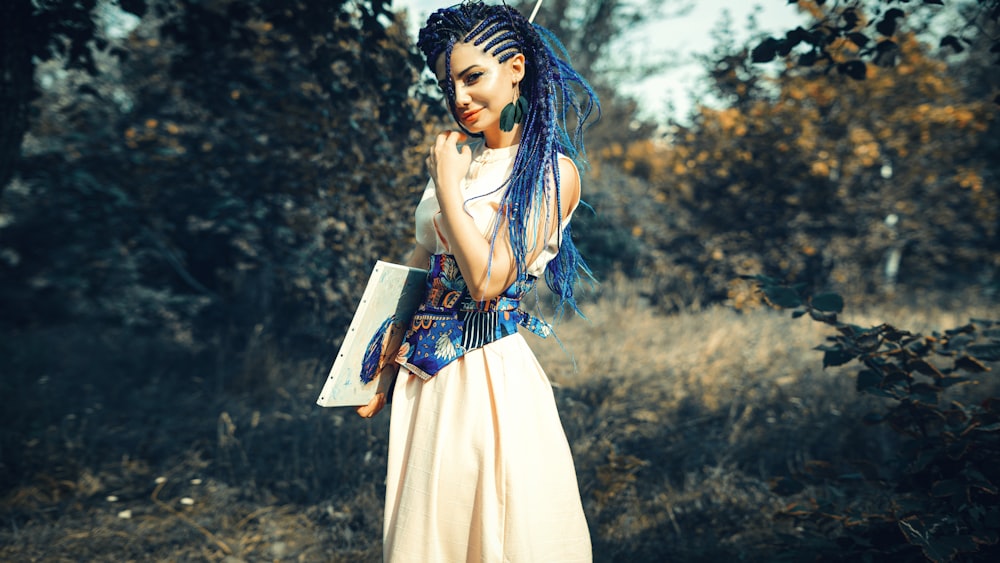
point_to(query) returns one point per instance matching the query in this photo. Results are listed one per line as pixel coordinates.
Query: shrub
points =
(939, 501)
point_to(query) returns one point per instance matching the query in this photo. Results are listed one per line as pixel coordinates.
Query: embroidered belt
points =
(449, 322)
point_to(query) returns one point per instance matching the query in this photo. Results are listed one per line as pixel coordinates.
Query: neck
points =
(497, 139)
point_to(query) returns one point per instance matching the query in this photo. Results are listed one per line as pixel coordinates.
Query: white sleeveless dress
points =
(479, 468)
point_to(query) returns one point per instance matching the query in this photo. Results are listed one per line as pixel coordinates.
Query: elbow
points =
(487, 289)
(482, 292)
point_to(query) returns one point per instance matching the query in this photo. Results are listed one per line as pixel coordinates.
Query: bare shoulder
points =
(569, 183)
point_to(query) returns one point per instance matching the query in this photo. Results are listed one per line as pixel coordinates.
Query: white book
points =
(392, 290)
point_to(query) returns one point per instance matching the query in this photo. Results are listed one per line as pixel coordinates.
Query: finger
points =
(445, 140)
(441, 139)
(373, 407)
(453, 137)
(459, 138)
(366, 410)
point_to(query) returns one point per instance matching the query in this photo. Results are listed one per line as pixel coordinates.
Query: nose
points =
(462, 97)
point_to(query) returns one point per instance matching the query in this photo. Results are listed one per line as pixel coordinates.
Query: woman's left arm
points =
(487, 271)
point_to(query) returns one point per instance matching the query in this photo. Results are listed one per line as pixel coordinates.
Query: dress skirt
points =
(479, 468)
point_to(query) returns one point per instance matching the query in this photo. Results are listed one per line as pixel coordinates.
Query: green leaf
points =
(937, 549)
(989, 352)
(971, 365)
(855, 69)
(867, 379)
(851, 18)
(822, 317)
(988, 427)
(887, 26)
(135, 7)
(859, 39)
(925, 393)
(957, 450)
(766, 51)
(953, 42)
(808, 58)
(924, 367)
(836, 358)
(953, 545)
(946, 382)
(985, 537)
(868, 341)
(909, 504)
(782, 297)
(828, 302)
(978, 480)
(964, 329)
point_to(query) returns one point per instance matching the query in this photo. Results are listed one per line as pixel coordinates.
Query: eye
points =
(472, 78)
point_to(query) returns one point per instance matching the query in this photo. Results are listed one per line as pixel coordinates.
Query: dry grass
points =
(683, 425)
(681, 428)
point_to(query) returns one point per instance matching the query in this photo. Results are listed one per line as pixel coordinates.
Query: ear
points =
(517, 67)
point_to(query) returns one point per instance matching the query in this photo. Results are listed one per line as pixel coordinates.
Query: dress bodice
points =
(483, 188)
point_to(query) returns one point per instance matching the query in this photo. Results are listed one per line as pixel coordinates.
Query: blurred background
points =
(194, 193)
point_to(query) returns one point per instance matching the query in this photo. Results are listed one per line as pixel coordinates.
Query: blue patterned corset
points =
(450, 322)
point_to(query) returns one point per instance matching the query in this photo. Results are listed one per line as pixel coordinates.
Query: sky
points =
(685, 36)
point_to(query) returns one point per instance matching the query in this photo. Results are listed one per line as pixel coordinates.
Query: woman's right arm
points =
(419, 258)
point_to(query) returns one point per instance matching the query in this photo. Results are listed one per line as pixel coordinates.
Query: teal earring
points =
(513, 113)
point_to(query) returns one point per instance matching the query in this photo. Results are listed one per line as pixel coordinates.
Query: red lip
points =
(470, 114)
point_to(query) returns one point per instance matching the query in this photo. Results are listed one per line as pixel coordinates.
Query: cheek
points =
(496, 90)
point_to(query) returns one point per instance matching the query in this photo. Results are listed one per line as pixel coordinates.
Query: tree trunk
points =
(16, 82)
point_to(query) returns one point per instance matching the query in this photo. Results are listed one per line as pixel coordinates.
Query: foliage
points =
(229, 168)
(40, 31)
(675, 433)
(818, 178)
(840, 24)
(943, 496)
(239, 172)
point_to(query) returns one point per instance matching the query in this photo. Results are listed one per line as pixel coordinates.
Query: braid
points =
(550, 86)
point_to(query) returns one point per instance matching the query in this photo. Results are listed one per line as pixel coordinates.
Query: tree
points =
(34, 32)
(796, 177)
(873, 27)
(264, 157)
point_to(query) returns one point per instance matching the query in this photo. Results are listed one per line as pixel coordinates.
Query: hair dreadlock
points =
(549, 83)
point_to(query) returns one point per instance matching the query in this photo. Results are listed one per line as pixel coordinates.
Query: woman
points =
(479, 468)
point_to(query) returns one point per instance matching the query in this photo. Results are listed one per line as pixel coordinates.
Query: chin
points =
(474, 128)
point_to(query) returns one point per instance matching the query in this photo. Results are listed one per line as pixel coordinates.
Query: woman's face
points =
(483, 86)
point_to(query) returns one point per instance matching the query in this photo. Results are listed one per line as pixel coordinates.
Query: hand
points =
(373, 407)
(448, 163)
(386, 379)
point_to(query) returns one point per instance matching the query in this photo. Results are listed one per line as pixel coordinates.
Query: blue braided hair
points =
(550, 85)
